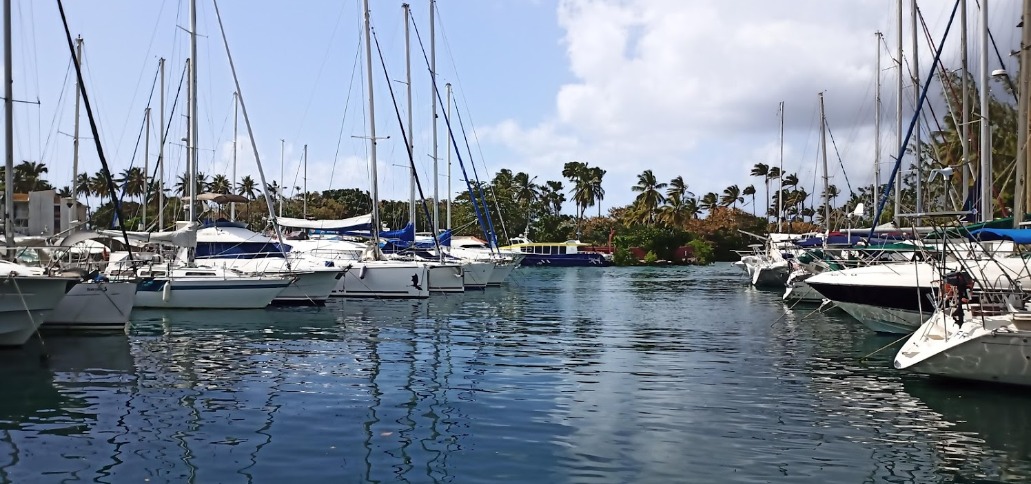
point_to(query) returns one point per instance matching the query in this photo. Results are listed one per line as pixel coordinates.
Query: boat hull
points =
(24, 303)
(476, 275)
(884, 309)
(389, 280)
(500, 273)
(207, 294)
(977, 351)
(94, 306)
(446, 278)
(307, 288)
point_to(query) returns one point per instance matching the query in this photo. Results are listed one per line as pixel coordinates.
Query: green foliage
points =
(663, 241)
(650, 258)
(622, 256)
(701, 250)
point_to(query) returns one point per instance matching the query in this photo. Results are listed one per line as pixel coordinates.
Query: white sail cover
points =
(353, 223)
(184, 237)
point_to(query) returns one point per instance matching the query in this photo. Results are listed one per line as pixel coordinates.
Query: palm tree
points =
(133, 181)
(596, 191)
(524, 191)
(831, 194)
(709, 202)
(220, 184)
(679, 188)
(650, 197)
(82, 185)
(585, 181)
(691, 208)
(98, 184)
(674, 213)
(28, 177)
(774, 174)
(731, 195)
(552, 196)
(750, 190)
(762, 170)
(248, 188)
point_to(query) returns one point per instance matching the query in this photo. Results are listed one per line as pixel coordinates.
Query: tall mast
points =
(161, 151)
(986, 211)
(965, 117)
(1019, 200)
(236, 135)
(780, 168)
(8, 134)
(899, 135)
(372, 132)
(146, 166)
(877, 124)
(433, 112)
(411, 135)
(826, 180)
(75, 133)
(916, 102)
(450, 193)
(282, 174)
(304, 193)
(194, 123)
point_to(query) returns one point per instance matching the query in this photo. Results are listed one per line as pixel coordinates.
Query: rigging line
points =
(840, 161)
(343, 118)
(451, 135)
(93, 127)
(408, 146)
(479, 185)
(164, 136)
(490, 187)
(322, 66)
(998, 56)
(912, 124)
(60, 99)
(139, 136)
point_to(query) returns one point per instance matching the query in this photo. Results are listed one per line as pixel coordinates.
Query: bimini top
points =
(1017, 236)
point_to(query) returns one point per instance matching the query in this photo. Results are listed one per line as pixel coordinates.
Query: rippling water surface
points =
(566, 375)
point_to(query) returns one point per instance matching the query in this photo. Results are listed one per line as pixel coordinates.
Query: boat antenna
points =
(96, 133)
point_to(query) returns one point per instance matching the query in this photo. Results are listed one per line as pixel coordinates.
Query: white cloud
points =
(692, 88)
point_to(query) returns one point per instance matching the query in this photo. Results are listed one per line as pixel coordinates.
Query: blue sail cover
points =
(405, 234)
(1018, 236)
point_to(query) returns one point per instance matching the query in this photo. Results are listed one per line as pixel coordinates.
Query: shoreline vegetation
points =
(665, 224)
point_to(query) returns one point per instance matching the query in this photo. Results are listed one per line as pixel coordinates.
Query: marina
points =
(567, 375)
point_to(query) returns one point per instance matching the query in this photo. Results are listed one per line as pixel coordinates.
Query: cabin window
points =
(144, 273)
(158, 273)
(560, 249)
(205, 274)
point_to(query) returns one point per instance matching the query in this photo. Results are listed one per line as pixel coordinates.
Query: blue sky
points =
(683, 88)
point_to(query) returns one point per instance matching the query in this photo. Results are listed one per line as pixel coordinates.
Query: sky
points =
(684, 88)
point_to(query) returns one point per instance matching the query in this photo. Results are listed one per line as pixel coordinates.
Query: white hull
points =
(800, 292)
(476, 275)
(446, 278)
(384, 279)
(771, 274)
(307, 288)
(994, 349)
(501, 272)
(38, 294)
(94, 306)
(204, 293)
(884, 320)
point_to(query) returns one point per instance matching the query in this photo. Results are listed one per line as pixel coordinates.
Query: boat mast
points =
(986, 211)
(916, 102)
(411, 135)
(780, 177)
(450, 193)
(304, 194)
(194, 123)
(8, 134)
(826, 180)
(433, 114)
(236, 135)
(1019, 202)
(965, 117)
(282, 174)
(75, 133)
(877, 124)
(372, 132)
(146, 166)
(161, 151)
(899, 136)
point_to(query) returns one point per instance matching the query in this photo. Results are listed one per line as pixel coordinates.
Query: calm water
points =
(593, 375)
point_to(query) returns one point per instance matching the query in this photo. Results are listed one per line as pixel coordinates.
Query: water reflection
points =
(601, 375)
